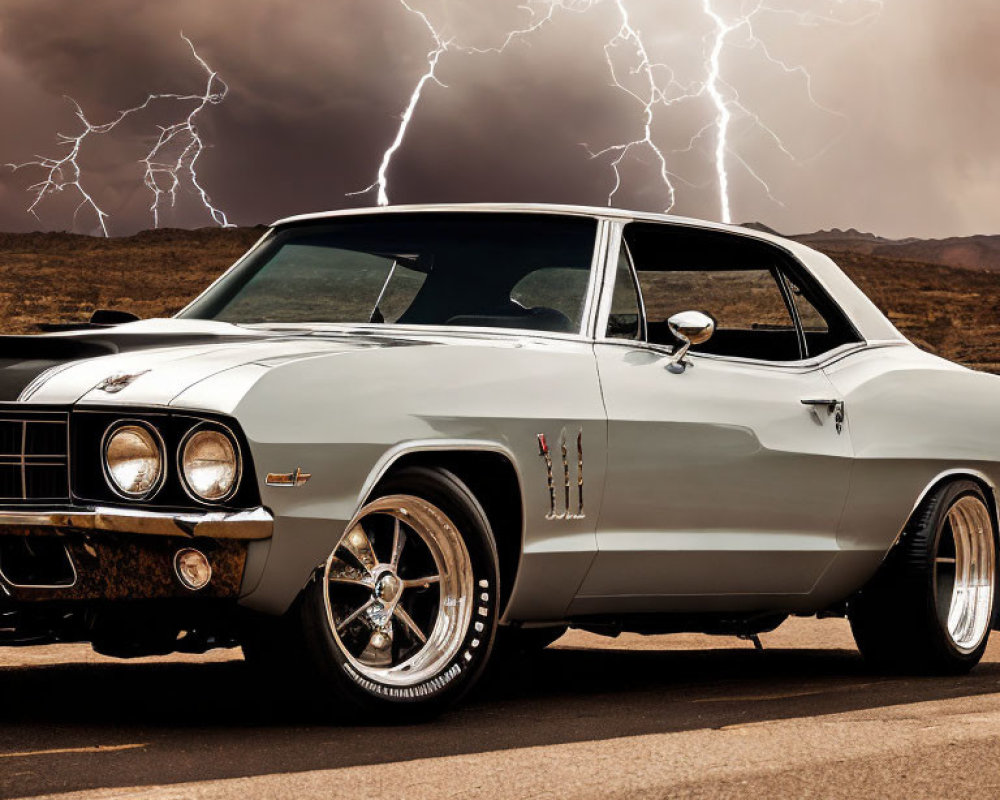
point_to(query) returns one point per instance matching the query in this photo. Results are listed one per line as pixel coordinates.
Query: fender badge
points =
(115, 383)
(546, 455)
(287, 479)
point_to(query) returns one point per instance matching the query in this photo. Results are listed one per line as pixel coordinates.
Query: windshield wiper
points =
(376, 315)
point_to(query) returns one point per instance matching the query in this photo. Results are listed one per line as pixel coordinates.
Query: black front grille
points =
(34, 461)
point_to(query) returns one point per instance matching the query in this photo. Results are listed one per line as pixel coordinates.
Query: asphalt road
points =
(675, 716)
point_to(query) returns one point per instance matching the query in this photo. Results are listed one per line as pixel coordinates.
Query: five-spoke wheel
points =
(399, 586)
(401, 618)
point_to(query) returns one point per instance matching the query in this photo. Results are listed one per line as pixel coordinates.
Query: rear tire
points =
(930, 607)
(400, 621)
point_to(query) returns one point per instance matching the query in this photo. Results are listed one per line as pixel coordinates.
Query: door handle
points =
(835, 407)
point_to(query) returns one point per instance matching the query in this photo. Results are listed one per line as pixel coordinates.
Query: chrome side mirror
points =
(690, 327)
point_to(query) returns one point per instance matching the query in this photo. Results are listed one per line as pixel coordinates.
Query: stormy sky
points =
(903, 140)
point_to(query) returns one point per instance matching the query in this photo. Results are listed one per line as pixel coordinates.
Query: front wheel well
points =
(492, 479)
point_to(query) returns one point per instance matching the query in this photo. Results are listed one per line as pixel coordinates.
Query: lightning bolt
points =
(651, 93)
(185, 134)
(653, 86)
(723, 113)
(717, 89)
(163, 173)
(442, 45)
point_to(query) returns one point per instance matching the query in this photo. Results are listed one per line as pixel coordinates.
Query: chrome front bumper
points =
(256, 523)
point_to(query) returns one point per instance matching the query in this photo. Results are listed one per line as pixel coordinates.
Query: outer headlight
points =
(210, 465)
(133, 460)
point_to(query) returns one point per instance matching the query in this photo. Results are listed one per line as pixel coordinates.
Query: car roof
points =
(607, 212)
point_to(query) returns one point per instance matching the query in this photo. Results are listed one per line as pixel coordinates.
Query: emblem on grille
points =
(115, 383)
(543, 451)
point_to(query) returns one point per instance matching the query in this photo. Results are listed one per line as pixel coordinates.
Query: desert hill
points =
(964, 252)
(943, 294)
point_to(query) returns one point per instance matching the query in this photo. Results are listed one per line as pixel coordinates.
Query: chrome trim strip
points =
(257, 523)
(24, 464)
(609, 269)
(819, 362)
(595, 285)
(383, 330)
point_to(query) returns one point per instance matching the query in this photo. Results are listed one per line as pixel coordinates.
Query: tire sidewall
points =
(947, 497)
(447, 493)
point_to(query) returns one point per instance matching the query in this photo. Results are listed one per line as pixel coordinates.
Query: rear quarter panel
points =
(913, 420)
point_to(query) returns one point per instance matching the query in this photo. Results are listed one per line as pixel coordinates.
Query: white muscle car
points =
(385, 440)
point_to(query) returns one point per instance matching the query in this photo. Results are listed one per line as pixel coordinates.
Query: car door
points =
(725, 481)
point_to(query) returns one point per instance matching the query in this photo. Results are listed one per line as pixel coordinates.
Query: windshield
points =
(527, 271)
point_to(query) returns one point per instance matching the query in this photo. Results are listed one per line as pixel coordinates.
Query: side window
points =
(810, 319)
(766, 307)
(733, 279)
(824, 327)
(624, 321)
(751, 317)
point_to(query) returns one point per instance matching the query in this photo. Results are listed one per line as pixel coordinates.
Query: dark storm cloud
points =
(317, 89)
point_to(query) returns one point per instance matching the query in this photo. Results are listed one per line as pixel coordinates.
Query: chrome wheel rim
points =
(398, 591)
(964, 573)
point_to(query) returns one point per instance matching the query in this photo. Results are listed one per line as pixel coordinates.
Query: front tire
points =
(401, 619)
(930, 607)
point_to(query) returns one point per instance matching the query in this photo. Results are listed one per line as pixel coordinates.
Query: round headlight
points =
(210, 465)
(133, 459)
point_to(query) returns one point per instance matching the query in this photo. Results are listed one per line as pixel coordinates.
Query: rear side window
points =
(765, 306)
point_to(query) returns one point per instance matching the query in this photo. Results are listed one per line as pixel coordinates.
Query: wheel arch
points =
(948, 476)
(990, 493)
(489, 471)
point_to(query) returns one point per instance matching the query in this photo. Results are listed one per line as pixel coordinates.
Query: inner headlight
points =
(210, 465)
(133, 459)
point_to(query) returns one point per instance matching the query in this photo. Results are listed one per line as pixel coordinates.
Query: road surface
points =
(665, 716)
